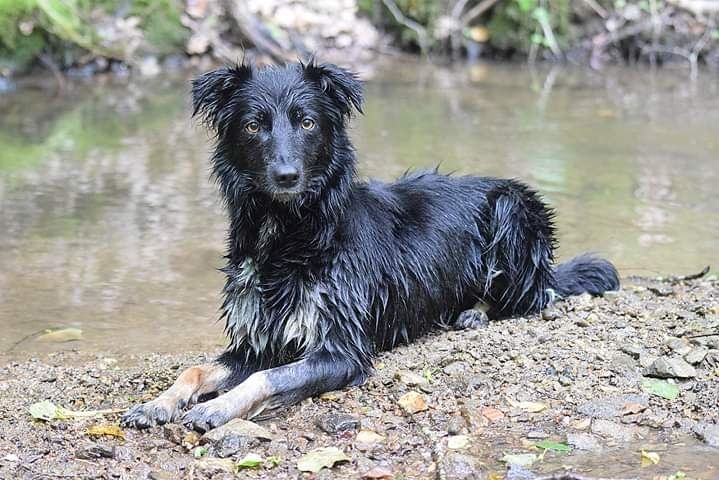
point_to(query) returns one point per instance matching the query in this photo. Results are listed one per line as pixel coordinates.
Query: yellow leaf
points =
(649, 458)
(60, 335)
(109, 430)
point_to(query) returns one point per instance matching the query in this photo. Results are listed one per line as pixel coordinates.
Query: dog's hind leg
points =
(189, 386)
(276, 387)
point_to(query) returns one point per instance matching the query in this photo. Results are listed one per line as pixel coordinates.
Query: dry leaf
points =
(109, 430)
(632, 408)
(649, 458)
(582, 424)
(60, 335)
(413, 402)
(320, 458)
(368, 436)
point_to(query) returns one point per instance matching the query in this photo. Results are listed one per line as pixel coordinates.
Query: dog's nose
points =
(285, 176)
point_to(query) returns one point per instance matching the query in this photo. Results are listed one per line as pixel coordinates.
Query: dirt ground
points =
(576, 380)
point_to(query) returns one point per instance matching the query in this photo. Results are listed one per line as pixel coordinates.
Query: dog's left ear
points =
(342, 86)
(215, 90)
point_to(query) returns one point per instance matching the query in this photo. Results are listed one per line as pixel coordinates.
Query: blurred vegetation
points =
(65, 33)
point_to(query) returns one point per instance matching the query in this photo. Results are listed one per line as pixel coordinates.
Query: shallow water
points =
(108, 222)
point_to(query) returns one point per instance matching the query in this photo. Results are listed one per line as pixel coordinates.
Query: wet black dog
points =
(324, 270)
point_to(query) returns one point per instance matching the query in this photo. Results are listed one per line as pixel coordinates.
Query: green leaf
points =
(521, 459)
(200, 452)
(527, 6)
(320, 458)
(537, 38)
(555, 446)
(45, 410)
(541, 15)
(661, 388)
(251, 460)
(273, 460)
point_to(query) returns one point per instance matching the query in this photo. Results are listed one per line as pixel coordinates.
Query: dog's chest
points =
(267, 313)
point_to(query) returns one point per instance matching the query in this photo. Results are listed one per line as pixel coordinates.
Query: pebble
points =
(614, 430)
(337, 422)
(456, 424)
(696, 355)
(671, 367)
(95, 451)
(612, 406)
(633, 351)
(536, 435)
(708, 433)
(583, 441)
(455, 368)
(679, 345)
(457, 466)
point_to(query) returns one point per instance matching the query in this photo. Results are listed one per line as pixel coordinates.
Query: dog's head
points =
(276, 126)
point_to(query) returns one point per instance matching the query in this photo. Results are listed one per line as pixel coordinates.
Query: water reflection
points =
(108, 221)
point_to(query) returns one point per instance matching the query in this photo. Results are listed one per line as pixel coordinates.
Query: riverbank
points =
(584, 388)
(82, 39)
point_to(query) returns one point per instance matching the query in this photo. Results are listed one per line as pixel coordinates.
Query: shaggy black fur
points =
(324, 270)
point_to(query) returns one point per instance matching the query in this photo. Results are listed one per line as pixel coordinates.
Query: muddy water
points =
(108, 222)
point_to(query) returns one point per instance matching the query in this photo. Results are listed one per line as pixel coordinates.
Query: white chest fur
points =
(248, 321)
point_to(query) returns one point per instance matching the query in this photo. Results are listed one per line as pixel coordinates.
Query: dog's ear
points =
(213, 91)
(342, 86)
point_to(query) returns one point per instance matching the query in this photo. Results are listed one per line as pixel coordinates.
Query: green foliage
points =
(515, 25)
(164, 32)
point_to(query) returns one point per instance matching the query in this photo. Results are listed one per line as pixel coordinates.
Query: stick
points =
(409, 23)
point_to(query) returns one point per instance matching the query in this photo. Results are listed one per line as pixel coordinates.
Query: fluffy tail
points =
(585, 273)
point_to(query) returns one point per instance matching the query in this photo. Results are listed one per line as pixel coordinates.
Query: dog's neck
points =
(309, 223)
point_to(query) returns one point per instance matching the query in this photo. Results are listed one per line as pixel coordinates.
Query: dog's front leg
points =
(191, 384)
(276, 387)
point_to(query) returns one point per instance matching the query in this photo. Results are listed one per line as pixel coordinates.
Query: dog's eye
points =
(308, 123)
(252, 127)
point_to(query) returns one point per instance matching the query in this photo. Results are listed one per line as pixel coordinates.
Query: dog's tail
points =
(585, 273)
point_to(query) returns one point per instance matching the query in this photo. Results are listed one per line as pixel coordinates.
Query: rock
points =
(550, 314)
(174, 432)
(518, 472)
(612, 406)
(413, 402)
(583, 441)
(161, 475)
(95, 451)
(613, 430)
(696, 355)
(671, 367)
(213, 466)
(536, 435)
(455, 368)
(708, 433)
(149, 67)
(410, 378)
(679, 345)
(381, 473)
(455, 425)
(458, 442)
(621, 362)
(368, 437)
(234, 436)
(633, 351)
(337, 422)
(460, 467)
(491, 414)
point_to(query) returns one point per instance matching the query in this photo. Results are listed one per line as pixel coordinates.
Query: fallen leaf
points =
(661, 388)
(60, 335)
(46, 411)
(378, 473)
(410, 378)
(200, 452)
(458, 442)
(109, 430)
(531, 407)
(368, 436)
(212, 464)
(632, 408)
(554, 446)
(273, 460)
(319, 458)
(649, 458)
(251, 460)
(495, 476)
(491, 414)
(521, 459)
(412, 402)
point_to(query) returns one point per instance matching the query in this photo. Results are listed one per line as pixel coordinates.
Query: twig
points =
(705, 334)
(476, 11)
(248, 25)
(409, 23)
(59, 77)
(601, 11)
(694, 276)
(549, 35)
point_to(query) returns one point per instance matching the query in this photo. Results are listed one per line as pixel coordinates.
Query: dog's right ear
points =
(213, 91)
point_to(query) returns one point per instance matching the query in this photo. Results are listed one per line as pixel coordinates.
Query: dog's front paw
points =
(156, 412)
(206, 416)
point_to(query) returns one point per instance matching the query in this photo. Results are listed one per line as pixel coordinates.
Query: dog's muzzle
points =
(285, 176)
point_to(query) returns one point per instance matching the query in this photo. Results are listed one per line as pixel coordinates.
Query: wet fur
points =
(320, 281)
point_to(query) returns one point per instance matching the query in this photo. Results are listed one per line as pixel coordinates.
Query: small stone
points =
(11, 458)
(612, 406)
(583, 441)
(550, 314)
(413, 402)
(378, 473)
(240, 427)
(708, 433)
(460, 467)
(614, 430)
(679, 345)
(455, 368)
(337, 422)
(671, 367)
(491, 414)
(458, 442)
(536, 435)
(174, 433)
(455, 425)
(213, 466)
(368, 437)
(161, 475)
(633, 351)
(232, 444)
(696, 355)
(410, 378)
(564, 381)
(622, 362)
(95, 451)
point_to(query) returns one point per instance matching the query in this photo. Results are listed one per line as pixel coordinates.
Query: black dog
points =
(324, 270)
